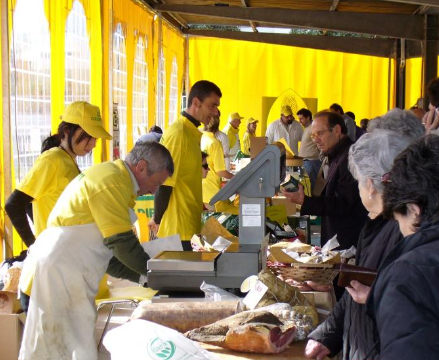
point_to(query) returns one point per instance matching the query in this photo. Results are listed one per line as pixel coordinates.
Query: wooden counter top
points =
(294, 352)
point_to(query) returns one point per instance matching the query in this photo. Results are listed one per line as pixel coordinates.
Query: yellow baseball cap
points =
(286, 110)
(251, 121)
(88, 117)
(235, 115)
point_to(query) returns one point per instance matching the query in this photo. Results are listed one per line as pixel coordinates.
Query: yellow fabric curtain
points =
(413, 81)
(155, 68)
(173, 46)
(2, 168)
(57, 12)
(137, 20)
(247, 71)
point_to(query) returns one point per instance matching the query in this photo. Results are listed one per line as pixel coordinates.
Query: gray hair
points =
(157, 157)
(372, 155)
(403, 122)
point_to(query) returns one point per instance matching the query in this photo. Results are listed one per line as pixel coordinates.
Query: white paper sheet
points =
(170, 243)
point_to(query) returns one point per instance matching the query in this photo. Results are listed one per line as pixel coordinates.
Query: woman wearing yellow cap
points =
(251, 131)
(53, 170)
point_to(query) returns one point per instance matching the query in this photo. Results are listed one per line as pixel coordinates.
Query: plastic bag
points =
(145, 340)
(348, 253)
(215, 293)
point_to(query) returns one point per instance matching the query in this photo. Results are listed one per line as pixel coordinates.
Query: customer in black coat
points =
(339, 204)
(349, 328)
(405, 296)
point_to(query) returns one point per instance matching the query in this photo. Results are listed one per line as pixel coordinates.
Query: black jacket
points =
(405, 298)
(339, 204)
(349, 327)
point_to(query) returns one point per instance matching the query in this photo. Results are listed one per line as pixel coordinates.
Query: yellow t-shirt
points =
(183, 214)
(213, 148)
(102, 194)
(246, 143)
(232, 134)
(52, 172)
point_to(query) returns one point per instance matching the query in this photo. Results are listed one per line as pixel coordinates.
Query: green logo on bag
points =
(160, 349)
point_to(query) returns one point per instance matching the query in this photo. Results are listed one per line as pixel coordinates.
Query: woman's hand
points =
(316, 350)
(296, 197)
(432, 120)
(358, 291)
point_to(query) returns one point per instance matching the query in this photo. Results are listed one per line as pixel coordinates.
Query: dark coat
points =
(349, 327)
(405, 298)
(339, 203)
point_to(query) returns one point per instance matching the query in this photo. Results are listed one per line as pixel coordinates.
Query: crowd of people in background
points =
(374, 184)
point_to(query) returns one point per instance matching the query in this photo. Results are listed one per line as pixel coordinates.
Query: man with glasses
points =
(286, 127)
(339, 203)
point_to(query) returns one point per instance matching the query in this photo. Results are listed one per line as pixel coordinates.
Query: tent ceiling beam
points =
(390, 25)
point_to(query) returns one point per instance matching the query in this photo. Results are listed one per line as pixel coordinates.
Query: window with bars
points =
(30, 83)
(77, 64)
(161, 93)
(173, 92)
(140, 91)
(120, 86)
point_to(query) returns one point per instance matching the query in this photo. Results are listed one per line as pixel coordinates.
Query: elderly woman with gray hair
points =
(349, 329)
(403, 122)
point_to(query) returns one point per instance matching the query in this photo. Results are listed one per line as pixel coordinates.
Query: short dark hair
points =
(336, 107)
(350, 114)
(413, 180)
(202, 89)
(203, 156)
(363, 123)
(156, 129)
(433, 92)
(305, 112)
(333, 119)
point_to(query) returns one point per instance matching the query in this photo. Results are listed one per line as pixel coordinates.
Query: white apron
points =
(235, 148)
(70, 262)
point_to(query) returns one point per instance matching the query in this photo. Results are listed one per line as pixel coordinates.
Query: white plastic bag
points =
(215, 293)
(145, 340)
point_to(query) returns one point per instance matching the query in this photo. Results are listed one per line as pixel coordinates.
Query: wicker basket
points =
(320, 273)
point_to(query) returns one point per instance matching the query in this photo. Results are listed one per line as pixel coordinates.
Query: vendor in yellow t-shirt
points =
(251, 132)
(178, 203)
(232, 132)
(53, 170)
(213, 148)
(90, 224)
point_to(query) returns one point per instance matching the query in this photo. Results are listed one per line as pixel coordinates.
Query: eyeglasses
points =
(319, 134)
(385, 179)
(205, 166)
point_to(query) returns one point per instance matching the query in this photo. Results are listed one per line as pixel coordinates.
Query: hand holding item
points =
(153, 227)
(358, 291)
(316, 350)
(432, 120)
(296, 197)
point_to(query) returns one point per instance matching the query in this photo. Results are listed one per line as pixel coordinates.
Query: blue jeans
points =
(312, 168)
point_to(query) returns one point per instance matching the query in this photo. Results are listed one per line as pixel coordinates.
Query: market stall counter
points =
(295, 351)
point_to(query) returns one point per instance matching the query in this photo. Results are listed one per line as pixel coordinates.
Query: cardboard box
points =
(257, 144)
(323, 301)
(296, 161)
(9, 304)
(289, 206)
(11, 332)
